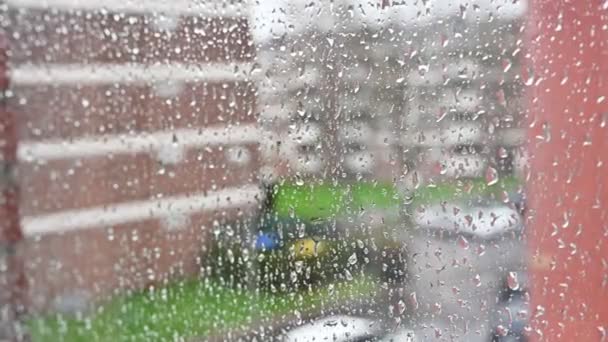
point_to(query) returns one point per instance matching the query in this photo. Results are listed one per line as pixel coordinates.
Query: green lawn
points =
(464, 190)
(186, 310)
(311, 201)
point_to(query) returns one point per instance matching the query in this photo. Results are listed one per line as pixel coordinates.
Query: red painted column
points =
(12, 277)
(568, 181)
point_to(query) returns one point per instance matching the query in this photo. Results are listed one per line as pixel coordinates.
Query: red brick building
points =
(137, 135)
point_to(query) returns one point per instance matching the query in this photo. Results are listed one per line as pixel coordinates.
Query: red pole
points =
(568, 183)
(12, 278)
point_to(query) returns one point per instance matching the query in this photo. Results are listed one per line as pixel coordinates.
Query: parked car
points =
(337, 329)
(342, 328)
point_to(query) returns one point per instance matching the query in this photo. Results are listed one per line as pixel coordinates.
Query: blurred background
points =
(379, 170)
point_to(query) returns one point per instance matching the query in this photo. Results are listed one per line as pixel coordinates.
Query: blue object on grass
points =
(267, 241)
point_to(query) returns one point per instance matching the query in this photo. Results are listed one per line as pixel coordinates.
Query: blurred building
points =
(465, 100)
(333, 103)
(137, 138)
(434, 96)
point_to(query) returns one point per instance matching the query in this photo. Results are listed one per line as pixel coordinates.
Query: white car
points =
(339, 328)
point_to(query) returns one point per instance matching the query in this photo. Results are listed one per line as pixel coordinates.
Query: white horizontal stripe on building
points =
(79, 74)
(156, 142)
(121, 213)
(457, 134)
(168, 7)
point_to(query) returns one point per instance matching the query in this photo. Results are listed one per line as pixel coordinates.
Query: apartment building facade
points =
(435, 101)
(137, 137)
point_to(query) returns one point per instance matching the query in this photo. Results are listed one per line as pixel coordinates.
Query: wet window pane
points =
(235, 170)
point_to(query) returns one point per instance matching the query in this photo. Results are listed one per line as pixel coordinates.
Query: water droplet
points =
(299, 181)
(546, 132)
(423, 69)
(352, 259)
(602, 331)
(503, 153)
(491, 176)
(413, 300)
(477, 280)
(401, 307)
(540, 311)
(501, 330)
(230, 256)
(512, 281)
(463, 243)
(299, 266)
(528, 75)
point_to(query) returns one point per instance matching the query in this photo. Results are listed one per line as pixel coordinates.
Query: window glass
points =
(379, 170)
